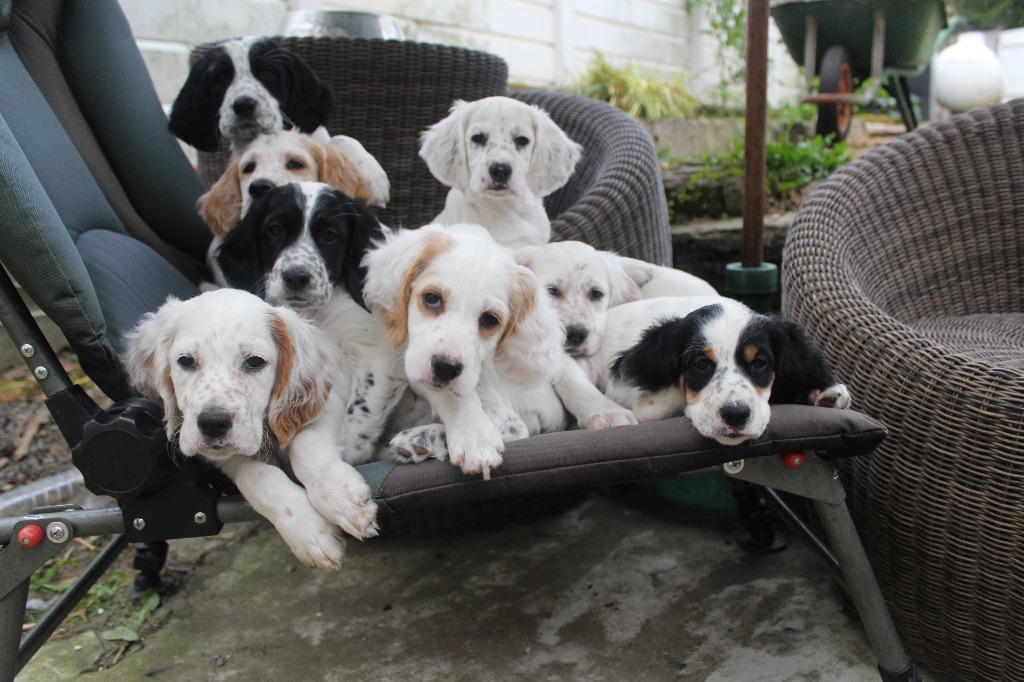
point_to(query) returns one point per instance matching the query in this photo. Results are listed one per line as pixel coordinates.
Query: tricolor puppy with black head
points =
(716, 361)
(301, 246)
(244, 87)
(500, 157)
(242, 382)
(482, 344)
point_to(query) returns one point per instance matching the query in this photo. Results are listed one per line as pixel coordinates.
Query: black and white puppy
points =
(301, 245)
(244, 87)
(714, 360)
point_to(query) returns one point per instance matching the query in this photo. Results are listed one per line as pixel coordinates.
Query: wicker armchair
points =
(613, 201)
(907, 266)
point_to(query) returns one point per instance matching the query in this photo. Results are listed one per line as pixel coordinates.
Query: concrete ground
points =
(617, 587)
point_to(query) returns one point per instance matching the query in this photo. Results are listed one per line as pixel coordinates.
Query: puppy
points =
(301, 246)
(583, 283)
(500, 157)
(714, 360)
(239, 379)
(482, 345)
(244, 87)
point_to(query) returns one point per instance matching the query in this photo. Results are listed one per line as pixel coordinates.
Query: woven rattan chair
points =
(613, 201)
(98, 225)
(907, 266)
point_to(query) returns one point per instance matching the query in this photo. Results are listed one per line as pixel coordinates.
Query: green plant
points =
(790, 166)
(640, 95)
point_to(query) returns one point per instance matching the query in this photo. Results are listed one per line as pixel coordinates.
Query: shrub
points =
(640, 95)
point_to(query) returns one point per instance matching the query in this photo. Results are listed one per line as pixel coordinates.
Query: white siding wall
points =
(545, 42)
(1011, 56)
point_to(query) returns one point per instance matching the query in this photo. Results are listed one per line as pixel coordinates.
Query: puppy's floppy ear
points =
(147, 358)
(524, 255)
(655, 362)
(196, 110)
(622, 287)
(554, 155)
(533, 340)
(239, 254)
(442, 146)
(800, 367)
(221, 206)
(305, 367)
(392, 269)
(336, 170)
(310, 100)
(364, 231)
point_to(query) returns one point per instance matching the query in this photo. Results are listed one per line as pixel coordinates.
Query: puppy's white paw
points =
(313, 540)
(476, 451)
(342, 496)
(420, 443)
(837, 396)
(605, 419)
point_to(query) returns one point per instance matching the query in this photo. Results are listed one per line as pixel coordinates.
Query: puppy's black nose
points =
(735, 414)
(445, 369)
(500, 173)
(296, 278)
(214, 422)
(575, 336)
(258, 188)
(244, 106)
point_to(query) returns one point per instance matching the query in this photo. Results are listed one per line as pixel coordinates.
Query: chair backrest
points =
(97, 199)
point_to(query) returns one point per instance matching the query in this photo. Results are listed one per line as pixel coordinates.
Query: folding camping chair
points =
(98, 226)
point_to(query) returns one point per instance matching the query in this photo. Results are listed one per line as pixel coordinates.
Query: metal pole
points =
(754, 158)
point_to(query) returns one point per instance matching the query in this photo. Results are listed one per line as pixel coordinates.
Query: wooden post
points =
(752, 254)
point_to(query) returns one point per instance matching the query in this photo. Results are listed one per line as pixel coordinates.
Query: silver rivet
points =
(733, 467)
(40, 373)
(139, 524)
(57, 532)
(28, 350)
(200, 518)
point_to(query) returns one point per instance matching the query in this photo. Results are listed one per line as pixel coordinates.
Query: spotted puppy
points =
(714, 360)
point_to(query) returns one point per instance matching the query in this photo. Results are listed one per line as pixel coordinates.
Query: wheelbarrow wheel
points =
(835, 77)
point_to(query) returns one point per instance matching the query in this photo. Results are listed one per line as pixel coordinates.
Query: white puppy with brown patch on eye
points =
(238, 379)
(483, 346)
(500, 157)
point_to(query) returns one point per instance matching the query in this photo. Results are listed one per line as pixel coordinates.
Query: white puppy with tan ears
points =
(482, 345)
(500, 157)
(240, 382)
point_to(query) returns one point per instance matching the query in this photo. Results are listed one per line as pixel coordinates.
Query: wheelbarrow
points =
(852, 43)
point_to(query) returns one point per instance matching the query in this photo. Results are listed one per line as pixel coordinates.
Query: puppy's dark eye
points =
(521, 141)
(702, 364)
(187, 362)
(254, 363)
(295, 164)
(478, 139)
(433, 301)
(275, 230)
(553, 291)
(249, 167)
(759, 364)
(595, 295)
(329, 236)
(489, 321)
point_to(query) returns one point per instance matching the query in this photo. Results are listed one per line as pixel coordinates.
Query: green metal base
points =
(753, 286)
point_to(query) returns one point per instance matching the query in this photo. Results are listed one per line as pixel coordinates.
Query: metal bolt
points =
(28, 350)
(733, 467)
(139, 524)
(200, 518)
(58, 532)
(40, 373)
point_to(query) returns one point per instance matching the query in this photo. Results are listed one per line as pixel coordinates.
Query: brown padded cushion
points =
(574, 459)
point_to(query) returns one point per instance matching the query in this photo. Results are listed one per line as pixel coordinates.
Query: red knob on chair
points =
(30, 536)
(794, 460)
